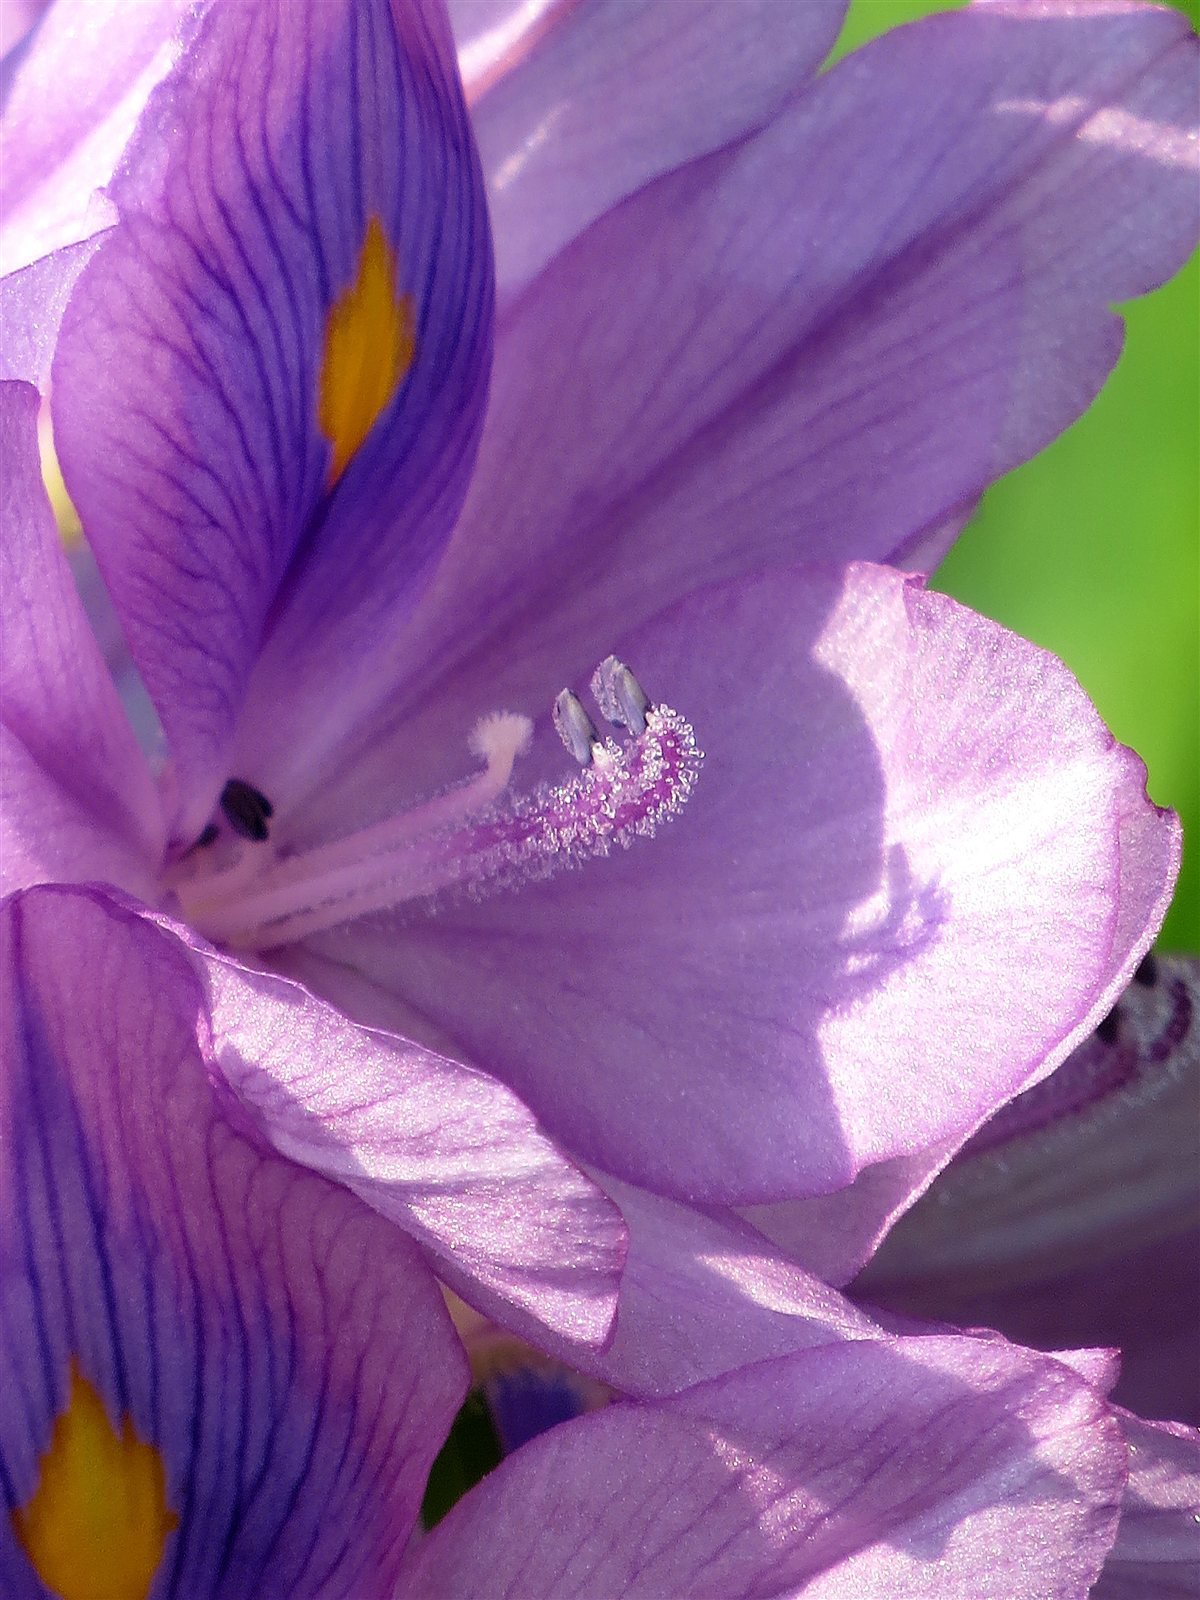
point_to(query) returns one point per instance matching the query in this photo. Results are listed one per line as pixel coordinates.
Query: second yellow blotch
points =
(65, 513)
(97, 1522)
(370, 339)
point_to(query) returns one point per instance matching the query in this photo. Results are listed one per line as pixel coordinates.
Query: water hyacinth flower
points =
(224, 1376)
(908, 831)
(983, 831)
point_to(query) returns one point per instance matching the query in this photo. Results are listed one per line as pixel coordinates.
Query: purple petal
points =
(526, 1400)
(1145, 1302)
(888, 904)
(1149, 867)
(1071, 1217)
(699, 1296)
(16, 22)
(835, 1235)
(281, 1348)
(905, 1469)
(78, 799)
(1155, 1556)
(32, 302)
(76, 94)
(447, 1152)
(821, 343)
(190, 386)
(575, 106)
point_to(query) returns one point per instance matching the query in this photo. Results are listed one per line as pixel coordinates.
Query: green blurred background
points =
(1093, 548)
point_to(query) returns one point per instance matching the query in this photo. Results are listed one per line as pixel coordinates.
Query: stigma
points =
(478, 838)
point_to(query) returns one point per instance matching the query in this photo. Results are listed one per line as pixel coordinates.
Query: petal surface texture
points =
(699, 1296)
(907, 1469)
(834, 1235)
(821, 342)
(76, 93)
(838, 952)
(576, 105)
(270, 377)
(78, 801)
(447, 1152)
(32, 302)
(279, 1350)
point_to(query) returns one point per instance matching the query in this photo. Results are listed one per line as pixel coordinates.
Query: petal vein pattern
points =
(862, 314)
(282, 1353)
(445, 1151)
(326, 209)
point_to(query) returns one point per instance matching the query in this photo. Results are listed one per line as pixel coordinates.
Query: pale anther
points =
(575, 728)
(621, 698)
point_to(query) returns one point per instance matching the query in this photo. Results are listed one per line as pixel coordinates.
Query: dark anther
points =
(1107, 1030)
(1147, 971)
(246, 808)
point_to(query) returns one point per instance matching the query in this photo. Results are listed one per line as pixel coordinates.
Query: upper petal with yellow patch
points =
(269, 382)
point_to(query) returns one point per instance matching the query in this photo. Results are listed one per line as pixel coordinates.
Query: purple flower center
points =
(477, 837)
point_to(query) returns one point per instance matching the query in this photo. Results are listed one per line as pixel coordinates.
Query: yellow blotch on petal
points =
(370, 337)
(96, 1524)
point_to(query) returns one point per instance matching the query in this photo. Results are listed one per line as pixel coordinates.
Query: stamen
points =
(471, 839)
(620, 696)
(498, 739)
(247, 809)
(575, 728)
